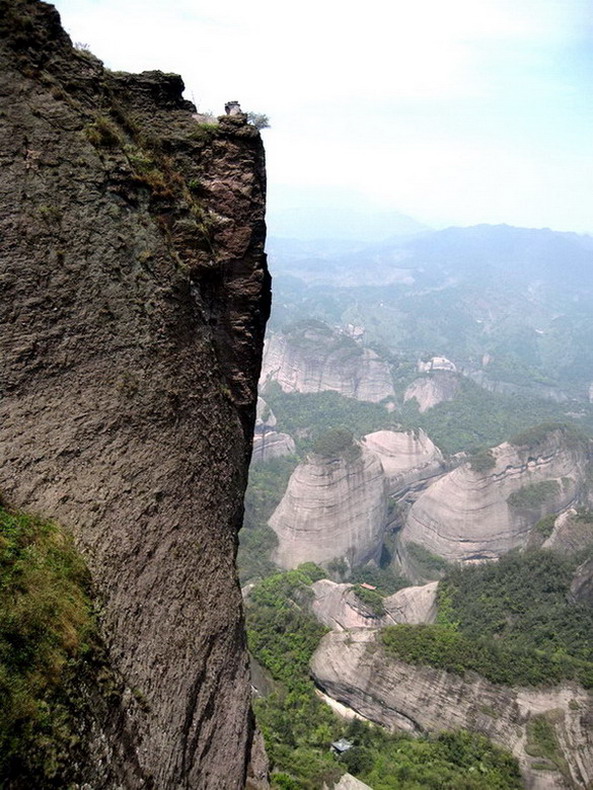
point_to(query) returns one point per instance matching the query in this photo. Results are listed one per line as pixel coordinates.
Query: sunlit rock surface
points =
(315, 358)
(413, 605)
(333, 508)
(352, 668)
(428, 391)
(466, 516)
(406, 456)
(338, 607)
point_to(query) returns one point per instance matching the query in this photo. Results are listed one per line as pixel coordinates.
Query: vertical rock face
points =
(469, 515)
(333, 508)
(406, 456)
(315, 358)
(353, 668)
(267, 442)
(134, 299)
(440, 386)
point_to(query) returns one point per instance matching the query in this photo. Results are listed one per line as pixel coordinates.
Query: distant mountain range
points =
(514, 303)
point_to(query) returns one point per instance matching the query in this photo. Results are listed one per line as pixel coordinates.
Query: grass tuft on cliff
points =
(46, 630)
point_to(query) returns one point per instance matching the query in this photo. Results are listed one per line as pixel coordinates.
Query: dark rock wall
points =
(134, 295)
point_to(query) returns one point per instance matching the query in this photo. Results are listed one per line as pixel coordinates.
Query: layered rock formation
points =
(570, 534)
(353, 669)
(315, 358)
(413, 605)
(267, 442)
(407, 457)
(431, 390)
(471, 515)
(338, 607)
(134, 299)
(333, 508)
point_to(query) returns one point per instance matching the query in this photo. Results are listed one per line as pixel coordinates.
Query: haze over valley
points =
(425, 415)
(328, 529)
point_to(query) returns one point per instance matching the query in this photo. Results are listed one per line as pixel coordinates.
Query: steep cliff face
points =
(352, 668)
(134, 299)
(469, 514)
(406, 457)
(333, 508)
(571, 533)
(429, 391)
(267, 441)
(314, 358)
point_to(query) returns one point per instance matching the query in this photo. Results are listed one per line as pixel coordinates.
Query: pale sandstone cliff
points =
(315, 358)
(333, 508)
(570, 534)
(352, 668)
(134, 299)
(465, 515)
(338, 607)
(428, 391)
(406, 457)
(413, 605)
(267, 442)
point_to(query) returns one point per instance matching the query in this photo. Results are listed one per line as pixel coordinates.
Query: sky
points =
(454, 113)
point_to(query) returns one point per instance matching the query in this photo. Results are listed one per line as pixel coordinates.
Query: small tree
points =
(259, 120)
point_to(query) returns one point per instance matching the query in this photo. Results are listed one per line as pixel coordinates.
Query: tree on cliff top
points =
(334, 443)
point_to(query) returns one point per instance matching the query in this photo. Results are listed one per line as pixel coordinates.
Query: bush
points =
(514, 613)
(259, 120)
(531, 437)
(545, 526)
(534, 495)
(47, 631)
(427, 564)
(335, 443)
(371, 599)
(482, 461)
(103, 133)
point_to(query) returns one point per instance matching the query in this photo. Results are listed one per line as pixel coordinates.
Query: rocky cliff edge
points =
(134, 299)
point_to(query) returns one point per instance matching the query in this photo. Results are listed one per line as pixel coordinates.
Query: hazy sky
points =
(451, 111)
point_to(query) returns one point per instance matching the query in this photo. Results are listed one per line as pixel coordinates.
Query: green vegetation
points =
(103, 133)
(542, 742)
(282, 633)
(298, 728)
(534, 495)
(47, 639)
(448, 761)
(537, 434)
(510, 622)
(267, 483)
(446, 648)
(426, 564)
(478, 419)
(307, 416)
(338, 442)
(482, 461)
(372, 600)
(545, 526)
(384, 579)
